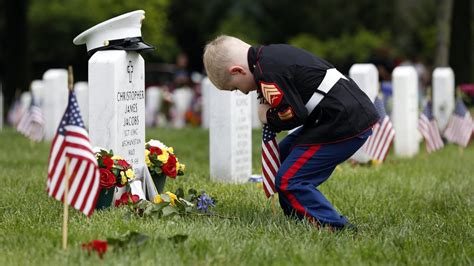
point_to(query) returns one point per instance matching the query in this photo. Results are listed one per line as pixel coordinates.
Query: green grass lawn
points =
(409, 211)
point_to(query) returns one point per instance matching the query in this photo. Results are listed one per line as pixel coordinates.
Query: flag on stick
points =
(428, 128)
(378, 144)
(32, 123)
(72, 144)
(460, 125)
(270, 160)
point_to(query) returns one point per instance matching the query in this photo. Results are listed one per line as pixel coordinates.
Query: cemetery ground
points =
(409, 211)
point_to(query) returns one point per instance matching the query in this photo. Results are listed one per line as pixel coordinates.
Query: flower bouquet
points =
(170, 204)
(114, 171)
(162, 163)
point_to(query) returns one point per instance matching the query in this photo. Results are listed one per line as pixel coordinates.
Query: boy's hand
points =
(262, 112)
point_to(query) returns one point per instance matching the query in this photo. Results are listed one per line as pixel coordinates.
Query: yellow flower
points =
(170, 150)
(182, 167)
(164, 156)
(172, 197)
(130, 174)
(157, 199)
(147, 160)
(116, 157)
(123, 180)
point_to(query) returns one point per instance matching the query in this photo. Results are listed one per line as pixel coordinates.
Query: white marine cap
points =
(118, 33)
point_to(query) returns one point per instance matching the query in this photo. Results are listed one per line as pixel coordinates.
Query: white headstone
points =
(25, 101)
(443, 95)
(182, 98)
(82, 93)
(206, 87)
(152, 104)
(37, 88)
(54, 99)
(405, 111)
(366, 76)
(117, 106)
(254, 105)
(230, 136)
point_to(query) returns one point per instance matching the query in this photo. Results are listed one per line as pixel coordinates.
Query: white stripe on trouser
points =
(330, 79)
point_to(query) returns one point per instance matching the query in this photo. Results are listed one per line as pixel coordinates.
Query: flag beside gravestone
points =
(71, 159)
(429, 129)
(378, 144)
(32, 122)
(460, 125)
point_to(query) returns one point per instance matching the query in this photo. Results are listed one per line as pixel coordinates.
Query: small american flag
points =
(460, 125)
(32, 123)
(428, 127)
(378, 144)
(72, 142)
(270, 160)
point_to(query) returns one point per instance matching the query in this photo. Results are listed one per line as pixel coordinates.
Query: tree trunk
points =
(443, 23)
(15, 62)
(461, 56)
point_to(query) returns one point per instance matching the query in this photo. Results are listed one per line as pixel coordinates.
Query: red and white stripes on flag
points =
(270, 160)
(72, 142)
(428, 128)
(32, 123)
(460, 125)
(378, 144)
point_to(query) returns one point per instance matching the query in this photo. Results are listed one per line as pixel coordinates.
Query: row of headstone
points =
(405, 102)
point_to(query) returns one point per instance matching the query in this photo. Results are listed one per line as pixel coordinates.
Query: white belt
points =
(330, 79)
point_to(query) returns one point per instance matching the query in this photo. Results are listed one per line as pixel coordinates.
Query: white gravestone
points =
(405, 111)
(443, 95)
(206, 87)
(230, 136)
(366, 76)
(54, 100)
(117, 108)
(182, 98)
(82, 93)
(254, 106)
(152, 104)
(37, 88)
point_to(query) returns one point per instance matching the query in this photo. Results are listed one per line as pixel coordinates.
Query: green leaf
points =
(179, 193)
(169, 210)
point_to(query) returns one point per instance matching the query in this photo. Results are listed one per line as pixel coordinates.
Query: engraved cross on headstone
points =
(130, 71)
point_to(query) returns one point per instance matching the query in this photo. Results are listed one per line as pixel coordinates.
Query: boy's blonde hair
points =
(219, 54)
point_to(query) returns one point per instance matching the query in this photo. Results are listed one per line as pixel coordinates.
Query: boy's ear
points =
(234, 70)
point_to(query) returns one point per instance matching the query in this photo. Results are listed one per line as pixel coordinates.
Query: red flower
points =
(107, 179)
(123, 163)
(108, 162)
(125, 197)
(155, 150)
(169, 168)
(98, 245)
